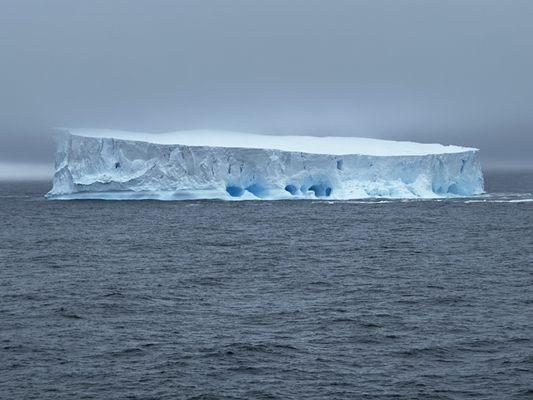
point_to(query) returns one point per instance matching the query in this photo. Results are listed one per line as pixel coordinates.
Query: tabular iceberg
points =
(104, 164)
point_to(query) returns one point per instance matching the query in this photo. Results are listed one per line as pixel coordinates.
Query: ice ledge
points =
(331, 145)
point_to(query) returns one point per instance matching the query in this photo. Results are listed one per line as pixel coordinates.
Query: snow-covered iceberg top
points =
(334, 145)
(105, 164)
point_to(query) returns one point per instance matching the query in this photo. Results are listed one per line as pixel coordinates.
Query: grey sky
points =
(449, 71)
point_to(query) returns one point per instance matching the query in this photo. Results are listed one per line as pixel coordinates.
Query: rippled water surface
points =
(287, 299)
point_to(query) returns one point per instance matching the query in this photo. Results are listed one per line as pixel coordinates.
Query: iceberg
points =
(203, 164)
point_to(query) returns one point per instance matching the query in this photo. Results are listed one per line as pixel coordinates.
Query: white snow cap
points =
(335, 145)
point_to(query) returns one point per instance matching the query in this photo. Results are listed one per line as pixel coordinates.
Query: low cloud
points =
(25, 171)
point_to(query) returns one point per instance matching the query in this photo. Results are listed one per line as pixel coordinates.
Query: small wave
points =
(246, 369)
(500, 201)
(368, 201)
(113, 294)
(72, 316)
(426, 351)
(371, 325)
(67, 314)
(242, 348)
(501, 198)
(209, 396)
(127, 352)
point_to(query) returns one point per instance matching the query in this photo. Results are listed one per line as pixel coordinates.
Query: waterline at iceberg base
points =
(103, 164)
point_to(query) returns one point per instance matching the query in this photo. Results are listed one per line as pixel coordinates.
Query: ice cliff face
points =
(206, 165)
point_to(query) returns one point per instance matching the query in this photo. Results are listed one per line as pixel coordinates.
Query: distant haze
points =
(454, 72)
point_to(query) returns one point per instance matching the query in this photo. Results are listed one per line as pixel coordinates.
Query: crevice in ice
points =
(320, 190)
(235, 191)
(291, 189)
(339, 165)
(257, 190)
(453, 189)
(117, 165)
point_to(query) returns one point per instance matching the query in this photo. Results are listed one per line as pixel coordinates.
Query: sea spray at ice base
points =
(226, 165)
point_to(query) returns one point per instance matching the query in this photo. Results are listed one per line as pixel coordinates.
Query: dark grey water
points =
(288, 300)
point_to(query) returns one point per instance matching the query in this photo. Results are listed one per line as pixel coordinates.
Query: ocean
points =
(368, 299)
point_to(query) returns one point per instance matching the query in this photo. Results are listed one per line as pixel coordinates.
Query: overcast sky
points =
(458, 72)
